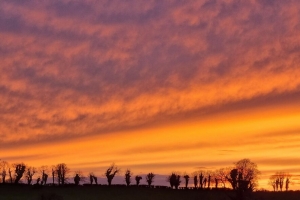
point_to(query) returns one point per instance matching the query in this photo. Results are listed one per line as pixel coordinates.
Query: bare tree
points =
(19, 171)
(4, 166)
(43, 171)
(10, 175)
(186, 178)
(222, 174)
(62, 171)
(53, 172)
(111, 172)
(244, 176)
(174, 180)
(138, 179)
(272, 182)
(201, 179)
(128, 175)
(287, 182)
(29, 174)
(279, 181)
(93, 178)
(195, 181)
(149, 178)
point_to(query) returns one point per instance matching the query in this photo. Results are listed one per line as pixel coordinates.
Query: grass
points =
(24, 192)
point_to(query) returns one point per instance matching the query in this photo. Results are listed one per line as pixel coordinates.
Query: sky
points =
(152, 86)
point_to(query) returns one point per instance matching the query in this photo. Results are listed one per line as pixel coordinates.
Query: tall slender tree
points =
(128, 175)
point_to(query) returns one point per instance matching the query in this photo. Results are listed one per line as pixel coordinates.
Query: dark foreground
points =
(24, 192)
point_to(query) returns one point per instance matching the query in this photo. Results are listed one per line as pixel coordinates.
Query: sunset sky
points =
(154, 86)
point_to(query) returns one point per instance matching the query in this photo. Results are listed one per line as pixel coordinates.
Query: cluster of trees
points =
(15, 172)
(242, 176)
(280, 181)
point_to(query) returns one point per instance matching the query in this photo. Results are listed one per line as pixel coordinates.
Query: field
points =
(23, 192)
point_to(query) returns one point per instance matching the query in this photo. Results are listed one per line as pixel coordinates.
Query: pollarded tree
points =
(4, 166)
(29, 174)
(62, 171)
(186, 178)
(195, 181)
(287, 182)
(19, 171)
(79, 177)
(138, 179)
(149, 178)
(174, 180)
(111, 172)
(43, 171)
(93, 178)
(128, 175)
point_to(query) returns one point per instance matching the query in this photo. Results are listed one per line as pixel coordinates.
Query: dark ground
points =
(24, 192)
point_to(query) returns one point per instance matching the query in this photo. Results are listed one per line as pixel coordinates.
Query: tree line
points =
(242, 176)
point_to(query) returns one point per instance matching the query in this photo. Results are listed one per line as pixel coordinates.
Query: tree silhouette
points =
(222, 174)
(79, 177)
(279, 181)
(10, 175)
(186, 178)
(233, 178)
(208, 181)
(61, 171)
(110, 173)
(76, 179)
(195, 181)
(93, 178)
(287, 182)
(19, 171)
(4, 166)
(53, 174)
(272, 182)
(29, 174)
(247, 174)
(149, 178)
(43, 170)
(138, 179)
(128, 175)
(174, 180)
(201, 178)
